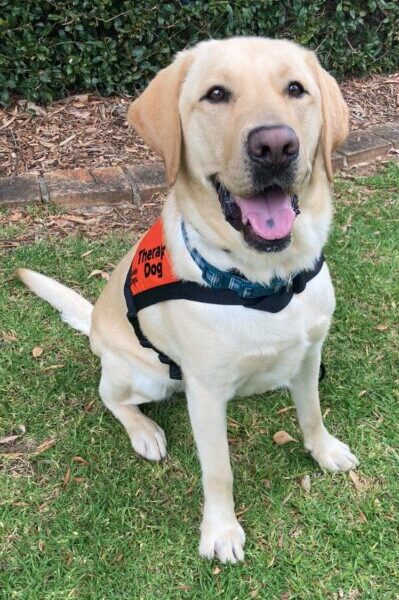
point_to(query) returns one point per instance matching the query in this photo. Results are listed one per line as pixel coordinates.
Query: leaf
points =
(76, 219)
(67, 477)
(217, 570)
(305, 483)
(67, 140)
(44, 446)
(52, 368)
(357, 482)
(8, 336)
(362, 517)
(15, 216)
(11, 438)
(285, 409)
(37, 110)
(37, 351)
(98, 272)
(381, 327)
(89, 406)
(282, 437)
(81, 460)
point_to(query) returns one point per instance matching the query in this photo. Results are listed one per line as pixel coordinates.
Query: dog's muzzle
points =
(265, 219)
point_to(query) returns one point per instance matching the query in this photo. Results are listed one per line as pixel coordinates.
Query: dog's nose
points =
(276, 145)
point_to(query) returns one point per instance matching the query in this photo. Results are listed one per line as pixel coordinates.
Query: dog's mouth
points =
(265, 219)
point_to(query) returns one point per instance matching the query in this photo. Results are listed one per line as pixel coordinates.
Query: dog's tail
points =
(74, 309)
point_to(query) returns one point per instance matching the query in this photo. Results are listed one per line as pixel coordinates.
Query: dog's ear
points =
(335, 113)
(155, 114)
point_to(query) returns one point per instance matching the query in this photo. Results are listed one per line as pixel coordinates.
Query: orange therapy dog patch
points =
(151, 266)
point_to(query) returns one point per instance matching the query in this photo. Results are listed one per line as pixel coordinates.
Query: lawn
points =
(82, 517)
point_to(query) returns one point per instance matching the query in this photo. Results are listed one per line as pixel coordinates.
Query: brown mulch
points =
(89, 131)
(372, 100)
(79, 131)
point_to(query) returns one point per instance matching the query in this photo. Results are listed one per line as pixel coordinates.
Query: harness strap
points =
(174, 369)
(189, 290)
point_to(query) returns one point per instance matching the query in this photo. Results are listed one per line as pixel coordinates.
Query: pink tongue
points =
(271, 216)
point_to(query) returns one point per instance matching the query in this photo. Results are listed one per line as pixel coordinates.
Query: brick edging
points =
(140, 183)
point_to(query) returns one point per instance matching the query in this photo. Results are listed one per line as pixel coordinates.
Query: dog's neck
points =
(224, 247)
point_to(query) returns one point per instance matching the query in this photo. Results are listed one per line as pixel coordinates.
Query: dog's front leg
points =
(328, 451)
(221, 533)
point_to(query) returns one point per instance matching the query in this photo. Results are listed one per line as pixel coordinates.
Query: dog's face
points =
(245, 118)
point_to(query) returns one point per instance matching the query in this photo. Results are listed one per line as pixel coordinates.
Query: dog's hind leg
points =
(147, 438)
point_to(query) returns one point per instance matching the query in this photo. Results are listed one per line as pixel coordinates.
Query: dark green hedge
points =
(51, 47)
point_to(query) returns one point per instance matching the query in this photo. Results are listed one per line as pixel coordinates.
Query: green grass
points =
(128, 529)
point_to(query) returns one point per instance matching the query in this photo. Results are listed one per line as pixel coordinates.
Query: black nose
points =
(274, 145)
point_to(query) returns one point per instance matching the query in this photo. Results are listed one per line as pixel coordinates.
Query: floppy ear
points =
(155, 114)
(335, 112)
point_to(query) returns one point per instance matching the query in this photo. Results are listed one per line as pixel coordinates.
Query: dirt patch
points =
(27, 226)
(89, 131)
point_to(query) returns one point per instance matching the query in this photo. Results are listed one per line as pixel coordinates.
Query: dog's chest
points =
(264, 351)
(257, 351)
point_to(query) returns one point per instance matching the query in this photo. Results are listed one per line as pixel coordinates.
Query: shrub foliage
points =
(51, 47)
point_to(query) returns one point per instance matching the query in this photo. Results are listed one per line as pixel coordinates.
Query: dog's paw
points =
(224, 541)
(148, 440)
(333, 455)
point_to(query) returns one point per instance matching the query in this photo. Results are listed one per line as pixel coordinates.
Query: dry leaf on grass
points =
(81, 460)
(184, 588)
(362, 517)
(15, 216)
(217, 570)
(305, 484)
(8, 336)
(359, 482)
(44, 446)
(67, 477)
(282, 437)
(11, 438)
(98, 272)
(285, 409)
(52, 368)
(381, 327)
(89, 406)
(37, 351)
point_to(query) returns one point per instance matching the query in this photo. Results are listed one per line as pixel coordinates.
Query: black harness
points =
(189, 290)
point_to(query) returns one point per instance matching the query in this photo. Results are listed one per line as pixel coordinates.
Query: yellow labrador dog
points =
(246, 128)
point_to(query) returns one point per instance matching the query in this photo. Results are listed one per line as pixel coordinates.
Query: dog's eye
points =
(296, 89)
(216, 94)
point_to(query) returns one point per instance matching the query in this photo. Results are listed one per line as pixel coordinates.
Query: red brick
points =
(81, 187)
(20, 189)
(362, 146)
(146, 181)
(388, 131)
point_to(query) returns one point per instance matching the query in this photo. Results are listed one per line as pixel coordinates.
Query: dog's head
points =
(245, 118)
